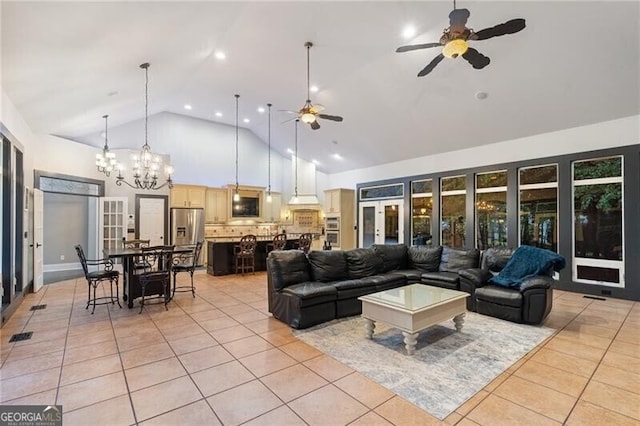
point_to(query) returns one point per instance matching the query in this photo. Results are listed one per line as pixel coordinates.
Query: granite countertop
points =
(235, 239)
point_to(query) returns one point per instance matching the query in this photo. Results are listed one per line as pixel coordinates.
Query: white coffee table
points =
(413, 308)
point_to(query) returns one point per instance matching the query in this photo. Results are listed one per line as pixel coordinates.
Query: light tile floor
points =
(222, 359)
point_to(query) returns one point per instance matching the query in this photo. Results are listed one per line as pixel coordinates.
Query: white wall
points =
(16, 129)
(621, 132)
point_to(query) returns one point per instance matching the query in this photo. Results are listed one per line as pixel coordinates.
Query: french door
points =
(381, 222)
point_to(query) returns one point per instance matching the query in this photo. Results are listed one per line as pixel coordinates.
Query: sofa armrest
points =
(537, 282)
(475, 277)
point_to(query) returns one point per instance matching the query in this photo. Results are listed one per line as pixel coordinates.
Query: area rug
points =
(447, 368)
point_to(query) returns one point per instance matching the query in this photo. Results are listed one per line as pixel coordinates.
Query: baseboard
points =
(57, 267)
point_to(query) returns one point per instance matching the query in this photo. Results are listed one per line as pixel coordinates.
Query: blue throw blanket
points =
(527, 262)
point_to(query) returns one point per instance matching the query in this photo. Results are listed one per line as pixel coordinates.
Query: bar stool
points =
(186, 262)
(96, 277)
(135, 244)
(245, 254)
(155, 277)
(279, 242)
(304, 242)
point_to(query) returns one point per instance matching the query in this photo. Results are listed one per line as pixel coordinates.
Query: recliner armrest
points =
(539, 281)
(476, 276)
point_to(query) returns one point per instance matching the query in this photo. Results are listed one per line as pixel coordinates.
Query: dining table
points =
(128, 256)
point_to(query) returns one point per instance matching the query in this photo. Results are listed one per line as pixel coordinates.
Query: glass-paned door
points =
(452, 211)
(421, 212)
(598, 243)
(538, 198)
(113, 222)
(491, 209)
(381, 222)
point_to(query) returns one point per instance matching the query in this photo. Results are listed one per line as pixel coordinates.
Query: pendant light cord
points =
(269, 155)
(146, 102)
(237, 96)
(296, 162)
(308, 45)
(106, 137)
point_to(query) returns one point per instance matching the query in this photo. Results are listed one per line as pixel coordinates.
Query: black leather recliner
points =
(530, 303)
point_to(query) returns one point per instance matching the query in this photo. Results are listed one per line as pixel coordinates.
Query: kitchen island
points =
(221, 254)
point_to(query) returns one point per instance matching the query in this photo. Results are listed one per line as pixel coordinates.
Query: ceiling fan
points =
(309, 113)
(454, 40)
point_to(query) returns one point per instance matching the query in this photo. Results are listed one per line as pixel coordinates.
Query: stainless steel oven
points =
(333, 238)
(332, 223)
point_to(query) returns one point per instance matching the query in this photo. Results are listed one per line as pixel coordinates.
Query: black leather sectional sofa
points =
(305, 290)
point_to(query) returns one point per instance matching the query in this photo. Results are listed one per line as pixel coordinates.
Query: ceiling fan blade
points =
(291, 119)
(509, 27)
(315, 125)
(316, 108)
(330, 117)
(458, 19)
(288, 111)
(426, 70)
(476, 59)
(416, 47)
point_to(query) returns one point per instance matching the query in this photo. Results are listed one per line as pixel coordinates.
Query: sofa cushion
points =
(412, 275)
(494, 259)
(499, 295)
(287, 268)
(328, 265)
(362, 262)
(453, 260)
(394, 256)
(447, 277)
(348, 284)
(312, 293)
(426, 259)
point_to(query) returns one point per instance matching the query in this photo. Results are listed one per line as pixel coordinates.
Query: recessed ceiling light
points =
(260, 110)
(482, 95)
(314, 89)
(409, 31)
(218, 114)
(115, 92)
(289, 150)
(188, 107)
(246, 120)
(316, 162)
(102, 135)
(337, 156)
(220, 55)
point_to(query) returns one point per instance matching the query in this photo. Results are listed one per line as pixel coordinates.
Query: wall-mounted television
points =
(246, 207)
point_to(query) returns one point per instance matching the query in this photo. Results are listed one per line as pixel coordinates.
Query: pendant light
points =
(295, 188)
(146, 167)
(269, 199)
(106, 161)
(236, 194)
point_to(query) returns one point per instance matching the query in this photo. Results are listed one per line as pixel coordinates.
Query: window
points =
(385, 191)
(491, 209)
(538, 200)
(452, 211)
(598, 243)
(421, 211)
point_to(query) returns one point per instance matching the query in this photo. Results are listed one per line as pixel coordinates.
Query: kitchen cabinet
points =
(332, 200)
(271, 211)
(340, 218)
(188, 196)
(216, 205)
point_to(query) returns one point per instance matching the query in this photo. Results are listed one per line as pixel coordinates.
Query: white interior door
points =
(152, 219)
(381, 222)
(38, 237)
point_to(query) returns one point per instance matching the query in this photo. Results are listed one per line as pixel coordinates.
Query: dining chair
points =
(186, 262)
(135, 244)
(304, 242)
(155, 277)
(94, 278)
(245, 254)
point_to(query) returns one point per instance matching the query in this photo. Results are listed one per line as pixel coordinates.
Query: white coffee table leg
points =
(410, 340)
(369, 326)
(459, 321)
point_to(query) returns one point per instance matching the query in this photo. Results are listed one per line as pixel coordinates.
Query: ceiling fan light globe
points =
(455, 48)
(308, 117)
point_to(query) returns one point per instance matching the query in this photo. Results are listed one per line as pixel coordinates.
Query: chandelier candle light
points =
(146, 166)
(106, 161)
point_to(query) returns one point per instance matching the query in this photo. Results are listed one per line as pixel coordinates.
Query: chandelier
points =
(146, 166)
(106, 161)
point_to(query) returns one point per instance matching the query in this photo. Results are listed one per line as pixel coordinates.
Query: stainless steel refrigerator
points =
(187, 228)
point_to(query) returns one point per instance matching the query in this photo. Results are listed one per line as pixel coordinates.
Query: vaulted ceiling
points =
(65, 64)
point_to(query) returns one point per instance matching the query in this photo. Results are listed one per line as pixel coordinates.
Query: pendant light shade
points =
(106, 160)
